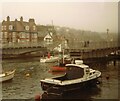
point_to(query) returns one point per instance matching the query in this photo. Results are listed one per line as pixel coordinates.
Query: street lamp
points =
(107, 37)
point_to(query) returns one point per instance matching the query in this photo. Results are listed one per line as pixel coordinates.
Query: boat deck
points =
(65, 77)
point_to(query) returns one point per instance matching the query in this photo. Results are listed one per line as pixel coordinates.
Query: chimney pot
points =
(8, 18)
(21, 18)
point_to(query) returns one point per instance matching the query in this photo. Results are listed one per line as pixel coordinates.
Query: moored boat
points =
(49, 60)
(58, 69)
(77, 76)
(7, 76)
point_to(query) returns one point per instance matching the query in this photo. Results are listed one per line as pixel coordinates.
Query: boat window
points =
(90, 73)
(93, 72)
(87, 70)
(74, 72)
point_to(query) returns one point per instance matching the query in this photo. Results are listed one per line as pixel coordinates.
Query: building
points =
(46, 34)
(48, 38)
(19, 31)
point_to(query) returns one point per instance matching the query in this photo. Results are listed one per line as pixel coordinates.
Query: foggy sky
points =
(94, 16)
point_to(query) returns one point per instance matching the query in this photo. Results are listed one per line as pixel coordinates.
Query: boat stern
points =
(48, 83)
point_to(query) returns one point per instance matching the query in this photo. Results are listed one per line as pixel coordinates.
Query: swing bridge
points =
(76, 49)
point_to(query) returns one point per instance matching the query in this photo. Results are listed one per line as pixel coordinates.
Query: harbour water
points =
(29, 72)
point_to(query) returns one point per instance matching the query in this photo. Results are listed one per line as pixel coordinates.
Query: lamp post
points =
(107, 37)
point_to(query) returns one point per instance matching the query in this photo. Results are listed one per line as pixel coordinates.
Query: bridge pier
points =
(22, 51)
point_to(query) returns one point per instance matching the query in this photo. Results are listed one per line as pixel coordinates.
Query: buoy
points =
(37, 97)
(27, 75)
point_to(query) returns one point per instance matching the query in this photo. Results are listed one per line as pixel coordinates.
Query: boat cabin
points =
(75, 71)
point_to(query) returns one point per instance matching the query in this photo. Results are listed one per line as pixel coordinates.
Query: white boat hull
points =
(49, 60)
(7, 76)
(66, 88)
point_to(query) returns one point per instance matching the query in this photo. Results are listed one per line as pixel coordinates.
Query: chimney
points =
(15, 19)
(8, 18)
(31, 20)
(21, 19)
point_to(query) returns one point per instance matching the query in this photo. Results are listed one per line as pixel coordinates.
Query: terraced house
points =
(19, 31)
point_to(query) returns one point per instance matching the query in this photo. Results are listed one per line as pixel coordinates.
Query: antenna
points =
(53, 29)
(52, 24)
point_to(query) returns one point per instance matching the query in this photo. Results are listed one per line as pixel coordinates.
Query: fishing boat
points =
(77, 76)
(49, 60)
(7, 76)
(60, 67)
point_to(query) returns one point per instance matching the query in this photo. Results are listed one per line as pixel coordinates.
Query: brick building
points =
(19, 31)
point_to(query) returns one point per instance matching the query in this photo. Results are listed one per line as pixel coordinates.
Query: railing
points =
(93, 45)
(71, 45)
(25, 44)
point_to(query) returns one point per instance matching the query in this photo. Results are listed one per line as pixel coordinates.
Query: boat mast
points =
(63, 56)
(52, 27)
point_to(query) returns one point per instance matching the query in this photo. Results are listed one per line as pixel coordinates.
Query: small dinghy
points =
(7, 76)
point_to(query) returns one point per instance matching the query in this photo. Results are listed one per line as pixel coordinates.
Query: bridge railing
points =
(100, 45)
(72, 45)
(93, 45)
(17, 45)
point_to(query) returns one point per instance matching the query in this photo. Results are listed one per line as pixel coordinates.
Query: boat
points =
(49, 60)
(7, 76)
(58, 69)
(78, 75)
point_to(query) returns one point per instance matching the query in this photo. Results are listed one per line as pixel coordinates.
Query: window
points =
(34, 27)
(27, 35)
(5, 34)
(93, 72)
(35, 35)
(14, 35)
(23, 35)
(90, 73)
(10, 27)
(1, 35)
(87, 70)
(27, 27)
(4, 27)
